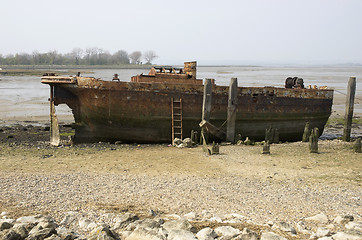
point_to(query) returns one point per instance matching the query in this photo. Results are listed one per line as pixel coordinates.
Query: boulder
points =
(102, 233)
(354, 226)
(5, 225)
(38, 234)
(206, 234)
(10, 235)
(187, 142)
(323, 232)
(21, 230)
(34, 219)
(227, 232)
(141, 233)
(180, 234)
(319, 219)
(176, 141)
(285, 227)
(122, 221)
(191, 216)
(178, 224)
(53, 237)
(271, 236)
(343, 219)
(86, 224)
(346, 236)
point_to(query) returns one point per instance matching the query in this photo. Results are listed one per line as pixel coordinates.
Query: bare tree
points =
(135, 57)
(121, 57)
(77, 54)
(149, 56)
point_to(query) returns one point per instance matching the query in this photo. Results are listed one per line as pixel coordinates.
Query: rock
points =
(102, 233)
(40, 234)
(285, 227)
(191, 216)
(215, 219)
(141, 233)
(323, 232)
(234, 216)
(180, 234)
(70, 218)
(343, 219)
(319, 218)
(178, 224)
(147, 223)
(271, 236)
(66, 234)
(346, 236)
(354, 226)
(86, 224)
(53, 237)
(121, 221)
(325, 238)
(301, 228)
(11, 235)
(247, 235)
(206, 234)
(176, 141)
(5, 225)
(34, 219)
(227, 232)
(4, 214)
(187, 142)
(21, 230)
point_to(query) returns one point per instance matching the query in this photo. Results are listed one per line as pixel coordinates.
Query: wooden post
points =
(206, 104)
(54, 126)
(266, 147)
(357, 145)
(313, 140)
(351, 90)
(306, 133)
(232, 102)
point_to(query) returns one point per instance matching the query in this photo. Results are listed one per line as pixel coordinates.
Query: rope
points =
(345, 94)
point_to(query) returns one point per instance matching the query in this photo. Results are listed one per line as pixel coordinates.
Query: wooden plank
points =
(232, 102)
(351, 90)
(213, 129)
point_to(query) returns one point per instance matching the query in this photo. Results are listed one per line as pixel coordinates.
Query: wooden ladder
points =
(176, 108)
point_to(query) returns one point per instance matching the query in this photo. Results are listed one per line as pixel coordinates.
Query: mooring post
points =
(351, 90)
(357, 145)
(306, 133)
(266, 147)
(313, 140)
(232, 101)
(206, 104)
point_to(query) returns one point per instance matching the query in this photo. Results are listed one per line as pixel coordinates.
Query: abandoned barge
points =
(149, 108)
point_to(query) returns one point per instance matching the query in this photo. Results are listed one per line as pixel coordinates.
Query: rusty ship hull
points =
(141, 112)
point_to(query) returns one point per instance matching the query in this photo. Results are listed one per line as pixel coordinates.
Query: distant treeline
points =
(78, 56)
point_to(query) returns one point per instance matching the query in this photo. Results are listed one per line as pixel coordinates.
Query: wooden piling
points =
(266, 147)
(232, 101)
(206, 104)
(306, 133)
(357, 145)
(351, 90)
(313, 140)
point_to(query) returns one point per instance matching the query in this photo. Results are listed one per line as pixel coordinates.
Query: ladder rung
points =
(176, 120)
(177, 114)
(177, 126)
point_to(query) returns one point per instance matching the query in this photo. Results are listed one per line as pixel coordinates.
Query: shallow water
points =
(25, 98)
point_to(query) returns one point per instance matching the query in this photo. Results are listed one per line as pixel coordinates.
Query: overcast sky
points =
(212, 32)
